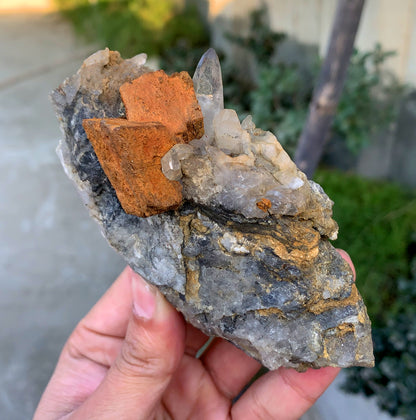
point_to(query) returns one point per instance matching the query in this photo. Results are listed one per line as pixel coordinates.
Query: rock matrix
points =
(246, 255)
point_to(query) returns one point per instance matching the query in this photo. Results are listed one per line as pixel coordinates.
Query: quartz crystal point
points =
(208, 88)
(247, 256)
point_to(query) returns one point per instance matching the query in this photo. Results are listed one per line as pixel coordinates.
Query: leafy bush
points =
(181, 57)
(135, 26)
(279, 105)
(376, 221)
(370, 96)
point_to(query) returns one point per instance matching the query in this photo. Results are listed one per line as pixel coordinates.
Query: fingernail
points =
(144, 297)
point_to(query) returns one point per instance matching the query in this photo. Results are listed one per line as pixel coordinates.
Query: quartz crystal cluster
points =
(246, 254)
(249, 172)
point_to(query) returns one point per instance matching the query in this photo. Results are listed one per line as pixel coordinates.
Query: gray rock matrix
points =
(247, 257)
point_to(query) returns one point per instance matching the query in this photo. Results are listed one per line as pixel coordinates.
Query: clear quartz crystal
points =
(208, 88)
(139, 59)
(171, 161)
(228, 134)
(248, 124)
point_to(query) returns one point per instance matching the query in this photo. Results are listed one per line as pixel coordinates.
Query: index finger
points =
(347, 258)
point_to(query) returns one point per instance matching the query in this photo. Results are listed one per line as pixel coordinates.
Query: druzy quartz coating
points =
(247, 255)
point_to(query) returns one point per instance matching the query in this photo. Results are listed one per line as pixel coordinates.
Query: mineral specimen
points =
(247, 255)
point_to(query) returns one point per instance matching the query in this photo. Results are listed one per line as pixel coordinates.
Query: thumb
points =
(149, 356)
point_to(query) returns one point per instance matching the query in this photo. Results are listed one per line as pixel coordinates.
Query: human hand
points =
(133, 357)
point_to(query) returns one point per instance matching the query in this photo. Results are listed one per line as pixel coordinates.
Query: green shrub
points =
(370, 98)
(135, 26)
(181, 57)
(376, 221)
(279, 104)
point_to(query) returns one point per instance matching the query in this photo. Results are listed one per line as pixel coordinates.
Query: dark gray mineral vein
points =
(247, 256)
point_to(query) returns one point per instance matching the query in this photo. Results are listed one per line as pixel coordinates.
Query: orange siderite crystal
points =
(161, 111)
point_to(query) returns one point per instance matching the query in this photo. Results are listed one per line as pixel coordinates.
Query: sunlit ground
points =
(7, 6)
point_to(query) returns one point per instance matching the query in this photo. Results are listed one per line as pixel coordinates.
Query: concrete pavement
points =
(54, 263)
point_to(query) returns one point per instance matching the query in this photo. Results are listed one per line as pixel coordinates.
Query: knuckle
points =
(76, 342)
(135, 360)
